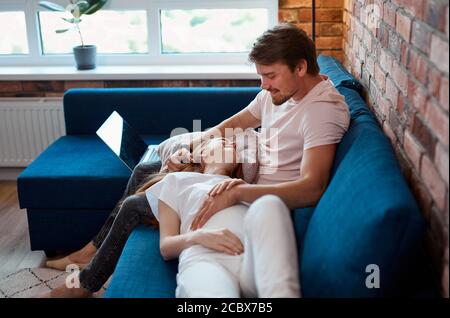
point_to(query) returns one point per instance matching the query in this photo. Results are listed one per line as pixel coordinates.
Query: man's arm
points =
(243, 120)
(306, 191)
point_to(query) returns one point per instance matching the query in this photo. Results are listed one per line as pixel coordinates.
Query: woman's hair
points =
(190, 167)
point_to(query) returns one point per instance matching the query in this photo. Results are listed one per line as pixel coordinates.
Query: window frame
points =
(154, 55)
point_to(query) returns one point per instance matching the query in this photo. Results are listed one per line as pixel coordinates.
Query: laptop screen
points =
(123, 140)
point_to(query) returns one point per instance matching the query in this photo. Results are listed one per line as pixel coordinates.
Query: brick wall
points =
(399, 49)
(329, 24)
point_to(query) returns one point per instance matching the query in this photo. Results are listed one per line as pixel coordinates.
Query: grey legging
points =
(131, 211)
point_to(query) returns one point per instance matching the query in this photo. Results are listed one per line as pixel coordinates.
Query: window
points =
(112, 32)
(14, 33)
(138, 32)
(211, 30)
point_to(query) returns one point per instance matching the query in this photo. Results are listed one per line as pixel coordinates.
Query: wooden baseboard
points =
(10, 173)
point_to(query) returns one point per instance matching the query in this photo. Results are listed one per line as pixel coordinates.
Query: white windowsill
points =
(130, 72)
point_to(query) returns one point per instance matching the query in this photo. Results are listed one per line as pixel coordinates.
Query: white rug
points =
(31, 282)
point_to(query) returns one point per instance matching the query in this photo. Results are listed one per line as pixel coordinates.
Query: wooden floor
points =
(15, 250)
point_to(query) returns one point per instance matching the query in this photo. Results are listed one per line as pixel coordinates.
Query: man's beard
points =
(280, 100)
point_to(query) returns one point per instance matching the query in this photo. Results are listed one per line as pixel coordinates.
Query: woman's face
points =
(219, 151)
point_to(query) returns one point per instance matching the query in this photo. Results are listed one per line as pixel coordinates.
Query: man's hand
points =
(222, 240)
(179, 160)
(224, 186)
(212, 205)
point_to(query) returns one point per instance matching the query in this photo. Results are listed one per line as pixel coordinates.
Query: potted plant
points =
(85, 55)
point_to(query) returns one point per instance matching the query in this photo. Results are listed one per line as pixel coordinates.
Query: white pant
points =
(267, 268)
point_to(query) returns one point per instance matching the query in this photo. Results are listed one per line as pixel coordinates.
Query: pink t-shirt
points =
(320, 118)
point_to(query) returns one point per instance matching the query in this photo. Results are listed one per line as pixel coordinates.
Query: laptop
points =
(125, 142)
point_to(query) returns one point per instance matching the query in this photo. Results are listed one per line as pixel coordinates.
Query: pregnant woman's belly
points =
(231, 218)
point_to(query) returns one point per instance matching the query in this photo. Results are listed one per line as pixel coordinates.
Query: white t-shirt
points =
(185, 192)
(321, 117)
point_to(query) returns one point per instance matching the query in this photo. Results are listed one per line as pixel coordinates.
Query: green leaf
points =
(62, 30)
(72, 20)
(95, 6)
(51, 6)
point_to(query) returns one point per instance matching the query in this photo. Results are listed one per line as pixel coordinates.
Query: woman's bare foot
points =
(80, 258)
(64, 292)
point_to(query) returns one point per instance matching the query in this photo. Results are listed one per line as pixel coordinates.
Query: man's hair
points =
(287, 44)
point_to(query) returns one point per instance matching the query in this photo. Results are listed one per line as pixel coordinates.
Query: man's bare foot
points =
(64, 292)
(80, 258)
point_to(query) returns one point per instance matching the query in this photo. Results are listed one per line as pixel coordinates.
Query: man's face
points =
(279, 80)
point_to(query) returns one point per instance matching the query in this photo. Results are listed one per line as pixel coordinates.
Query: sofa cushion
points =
(154, 111)
(75, 172)
(141, 271)
(366, 216)
(337, 73)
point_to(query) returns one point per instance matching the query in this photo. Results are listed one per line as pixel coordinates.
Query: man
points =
(309, 117)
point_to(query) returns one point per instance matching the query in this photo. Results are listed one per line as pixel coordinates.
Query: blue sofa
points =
(366, 216)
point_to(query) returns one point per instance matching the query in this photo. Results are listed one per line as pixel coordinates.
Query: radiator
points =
(27, 127)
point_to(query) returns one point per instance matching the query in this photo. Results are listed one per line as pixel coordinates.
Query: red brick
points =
(436, 14)
(389, 14)
(405, 52)
(380, 77)
(441, 160)
(383, 35)
(288, 4)
(330, 3)
(385, 106)
(370, 65)
(367, 40)
(304, 15)
(443, 94)
(10, 86)
(307, 27)
(288, 15)
(386, 61)
(388, 131)
(391, 91)
(434, 81)
(438, 121)
(403, 25)
(329, 42)
(400, 77)
(424, 134)
(417, 96)
(434, 182)
(439, 53)
(421, 36)
(413, 149)
(83, 84)
(329, 15)
(415, 8)
(43, 86)
(418, 66)
(447, 29)
(330, 29)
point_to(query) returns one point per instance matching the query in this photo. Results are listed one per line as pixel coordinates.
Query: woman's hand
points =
(224, 186)
(178, 160)
(221, 240)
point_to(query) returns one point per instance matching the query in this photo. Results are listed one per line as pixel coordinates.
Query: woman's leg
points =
(205, 279)
(270, 266)
(141, 173)
(134, 211)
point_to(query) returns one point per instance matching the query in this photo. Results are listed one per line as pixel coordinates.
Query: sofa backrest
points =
(366, 221)
(153, 111)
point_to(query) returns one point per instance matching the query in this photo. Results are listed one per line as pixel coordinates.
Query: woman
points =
(231, 256)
